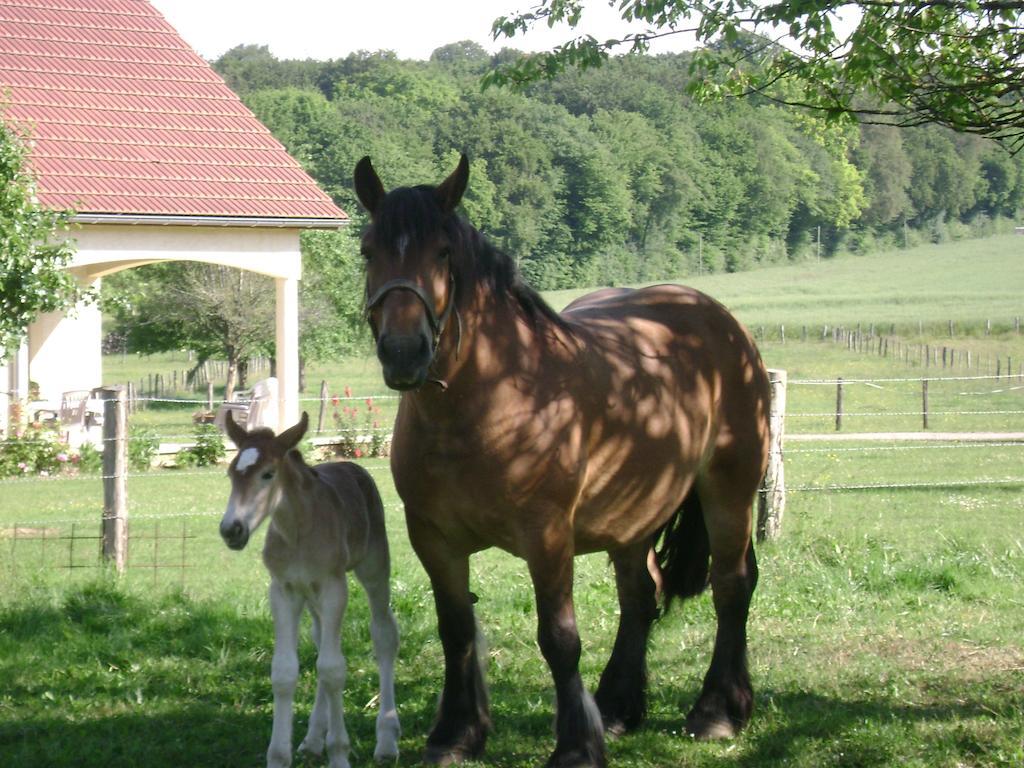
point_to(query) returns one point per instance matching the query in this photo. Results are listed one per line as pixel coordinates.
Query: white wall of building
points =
(64, 351)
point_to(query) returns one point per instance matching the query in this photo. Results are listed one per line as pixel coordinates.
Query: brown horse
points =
(636, 416)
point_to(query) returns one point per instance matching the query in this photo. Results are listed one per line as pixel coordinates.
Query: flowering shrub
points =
(360, 431)
(35, 451)
(39, 451)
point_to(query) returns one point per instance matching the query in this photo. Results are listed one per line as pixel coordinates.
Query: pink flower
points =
(335, 400)
(23, 466)
(62, 458)
(348, 391)
(358, 453)
(369, 403)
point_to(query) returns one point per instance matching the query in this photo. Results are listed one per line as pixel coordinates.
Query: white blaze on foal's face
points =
(247, 458)
(249, 503)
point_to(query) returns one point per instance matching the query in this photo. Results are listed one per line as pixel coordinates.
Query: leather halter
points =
(437, 322)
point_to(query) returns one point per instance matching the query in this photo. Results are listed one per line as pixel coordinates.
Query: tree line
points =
(604, 176)
(615, 174)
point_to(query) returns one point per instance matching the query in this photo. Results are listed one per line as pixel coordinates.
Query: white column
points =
(15, 389)
(65, 348)
(287, 351)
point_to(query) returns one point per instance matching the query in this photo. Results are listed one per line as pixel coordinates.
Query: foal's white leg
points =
(384, 632)
(286, 607)
(313, 744)
(331, 668)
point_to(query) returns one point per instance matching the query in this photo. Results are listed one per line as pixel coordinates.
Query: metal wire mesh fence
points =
(53, 522)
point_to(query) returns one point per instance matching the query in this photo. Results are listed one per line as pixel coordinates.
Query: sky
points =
(330, 29)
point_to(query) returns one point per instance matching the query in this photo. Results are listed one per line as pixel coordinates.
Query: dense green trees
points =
(614, 174)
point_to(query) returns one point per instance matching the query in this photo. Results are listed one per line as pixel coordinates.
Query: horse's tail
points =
(683, 551)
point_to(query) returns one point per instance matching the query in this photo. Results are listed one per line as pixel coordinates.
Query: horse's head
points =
(410, 283)
(254, 477)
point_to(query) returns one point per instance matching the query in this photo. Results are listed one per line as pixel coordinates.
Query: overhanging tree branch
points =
(958, 63)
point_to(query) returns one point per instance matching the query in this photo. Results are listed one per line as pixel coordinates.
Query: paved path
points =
(957, 437)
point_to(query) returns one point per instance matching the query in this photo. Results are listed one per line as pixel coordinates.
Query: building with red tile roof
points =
(127, 120)
(159, 160)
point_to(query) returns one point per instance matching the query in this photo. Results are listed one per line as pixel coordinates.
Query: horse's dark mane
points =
(413, 212)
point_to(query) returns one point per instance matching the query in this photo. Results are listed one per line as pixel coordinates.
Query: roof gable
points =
(125, 118)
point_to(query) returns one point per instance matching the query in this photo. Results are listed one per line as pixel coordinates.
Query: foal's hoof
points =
(311, 748)
(386, 754)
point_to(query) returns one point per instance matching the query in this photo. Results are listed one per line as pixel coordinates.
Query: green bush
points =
(89, 459)
(142, 447)
(207, 451)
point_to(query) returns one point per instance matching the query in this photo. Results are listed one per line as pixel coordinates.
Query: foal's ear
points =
(303, 473)
(450, 192)
(291, 436)
(368, 186)
(235, 432)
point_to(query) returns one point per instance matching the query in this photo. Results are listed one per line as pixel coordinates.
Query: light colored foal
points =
(324, 521)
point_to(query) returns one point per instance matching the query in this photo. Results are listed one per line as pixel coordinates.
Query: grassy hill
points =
(968, 282)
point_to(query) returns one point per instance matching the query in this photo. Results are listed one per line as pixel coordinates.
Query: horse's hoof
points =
(576, 758)
(441, 755)
(711, 729)
(613, 729)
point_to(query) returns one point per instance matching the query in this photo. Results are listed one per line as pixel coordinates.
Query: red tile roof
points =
(125, 118)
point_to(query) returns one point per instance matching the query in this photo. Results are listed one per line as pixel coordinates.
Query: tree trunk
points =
(243, 373)
(302, 374)
(232, 375)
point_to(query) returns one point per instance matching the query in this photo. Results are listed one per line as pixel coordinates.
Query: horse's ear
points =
(291, 436)
(368, 186)
(235, 432)
(450, 192)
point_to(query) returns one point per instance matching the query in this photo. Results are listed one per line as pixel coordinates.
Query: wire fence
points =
(166, 543)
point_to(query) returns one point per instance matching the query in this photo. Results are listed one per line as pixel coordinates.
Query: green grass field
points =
(968, 281)
(886, 629)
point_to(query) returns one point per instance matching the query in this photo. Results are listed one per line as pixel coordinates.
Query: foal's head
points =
(410, 283)
(254, 474)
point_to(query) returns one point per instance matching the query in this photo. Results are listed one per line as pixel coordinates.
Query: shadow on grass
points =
(980, 724)
(105, 678)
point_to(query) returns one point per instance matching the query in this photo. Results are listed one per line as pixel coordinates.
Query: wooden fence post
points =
(323, 406)
(839, 403)
(924, 403)
(771, 501)
(209, 395)
(115, 484)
